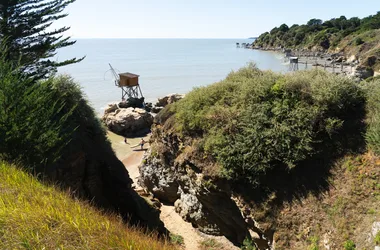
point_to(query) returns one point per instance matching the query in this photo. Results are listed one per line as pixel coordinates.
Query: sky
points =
(200, 18)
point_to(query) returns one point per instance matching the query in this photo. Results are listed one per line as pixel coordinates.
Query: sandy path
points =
(132, 163)
(175, 224)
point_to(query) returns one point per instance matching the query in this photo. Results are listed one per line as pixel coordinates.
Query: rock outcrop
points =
(162, 102)
(174, 178)
(127, 121)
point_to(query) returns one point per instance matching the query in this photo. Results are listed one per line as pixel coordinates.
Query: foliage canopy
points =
(25, 29)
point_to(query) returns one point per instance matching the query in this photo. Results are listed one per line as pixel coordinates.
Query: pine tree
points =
(24, 30)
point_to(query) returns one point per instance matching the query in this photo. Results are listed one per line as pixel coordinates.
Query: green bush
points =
(358, 41)
(176, 239)
(42, 123)
(349, 245)
(255, 121)
(248, 244)
(314, 243)
(34, 119)
(377, 239)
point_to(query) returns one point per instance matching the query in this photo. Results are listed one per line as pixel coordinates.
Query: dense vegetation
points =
(256, 121)
(353, 37)
(25, 29)
(318, 33)
(36, 216)
(34, 118)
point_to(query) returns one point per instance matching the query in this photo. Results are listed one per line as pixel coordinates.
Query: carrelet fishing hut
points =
(129, 84)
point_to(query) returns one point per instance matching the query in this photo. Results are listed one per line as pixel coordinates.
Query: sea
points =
(165, 66)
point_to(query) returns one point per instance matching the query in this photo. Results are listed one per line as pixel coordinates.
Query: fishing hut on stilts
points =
(129, 84)
(293, 63)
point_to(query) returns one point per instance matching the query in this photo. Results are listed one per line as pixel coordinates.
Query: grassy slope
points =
(346, 211)
(35, 216)
(369, 48)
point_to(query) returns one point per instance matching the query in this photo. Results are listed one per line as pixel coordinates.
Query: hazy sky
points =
(200, 18)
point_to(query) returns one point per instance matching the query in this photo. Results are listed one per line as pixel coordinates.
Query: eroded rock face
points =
(209, 208)
(127, 121)
(159, 180)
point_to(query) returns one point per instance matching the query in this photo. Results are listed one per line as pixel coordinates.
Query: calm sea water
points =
(165, 65)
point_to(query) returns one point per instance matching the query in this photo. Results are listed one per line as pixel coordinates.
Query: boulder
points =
(128, 121)
(162, 102)
(160, 181)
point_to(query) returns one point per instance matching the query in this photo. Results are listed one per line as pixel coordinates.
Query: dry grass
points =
(343, 213)
(35, 216)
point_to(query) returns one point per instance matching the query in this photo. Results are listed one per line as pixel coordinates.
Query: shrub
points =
(34, 118)
(314, 243)
(377, 238)
(176, 239)
(255, 121)
(210, 244)
(349, 245)
(358, 41)
(248, 245)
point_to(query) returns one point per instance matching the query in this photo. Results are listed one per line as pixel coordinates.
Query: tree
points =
(36, 120)
(25, 31)
(284, 28)
(314, 22)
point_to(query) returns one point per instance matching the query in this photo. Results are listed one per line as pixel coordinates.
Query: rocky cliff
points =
(173, 173)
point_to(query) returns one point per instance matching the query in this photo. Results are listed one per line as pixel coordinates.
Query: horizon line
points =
(161, 37)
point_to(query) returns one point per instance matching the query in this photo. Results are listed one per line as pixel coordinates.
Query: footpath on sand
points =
(132, 158)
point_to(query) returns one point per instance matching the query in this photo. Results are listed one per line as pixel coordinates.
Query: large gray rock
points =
(128, 121)
(159, 180)
(162, 102)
